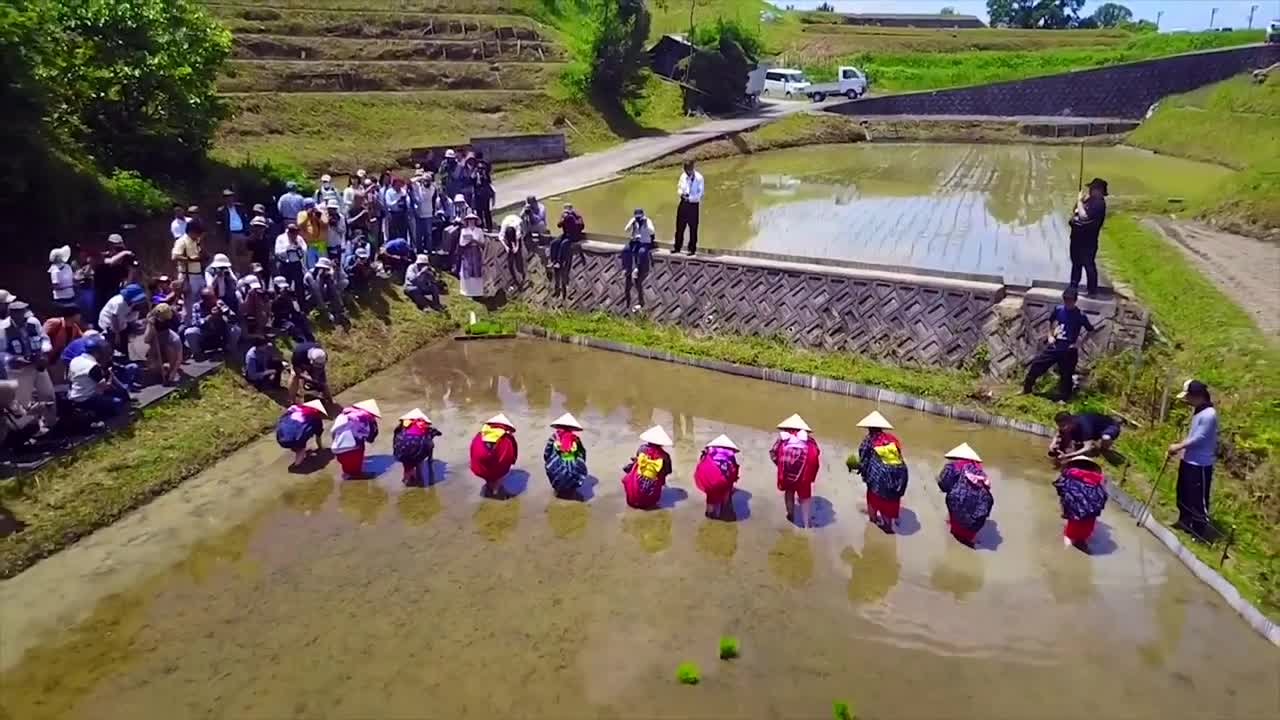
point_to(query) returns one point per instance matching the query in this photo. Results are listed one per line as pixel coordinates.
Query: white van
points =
(785, 82)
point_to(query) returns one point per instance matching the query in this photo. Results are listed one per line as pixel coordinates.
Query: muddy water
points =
(251, 592)
(991, 209)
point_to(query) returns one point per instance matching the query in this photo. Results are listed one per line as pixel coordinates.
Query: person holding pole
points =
(1086, 224)
(1199, 450)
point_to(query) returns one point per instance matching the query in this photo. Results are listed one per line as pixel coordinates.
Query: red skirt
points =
(960, 532)
(713, 482)
(887, 508)
(1078, 531)
(352, 461)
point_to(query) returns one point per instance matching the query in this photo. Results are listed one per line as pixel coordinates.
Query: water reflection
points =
(717, 539)
(567, 518)
(363, 500)
(651, 529)
(993, 209)
(310, 495)
(417, 506)
(874, 571)
(959, 572)
(496, 519)
(791, 558)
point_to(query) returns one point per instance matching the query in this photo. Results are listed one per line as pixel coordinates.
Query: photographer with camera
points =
(637, 254)
(222, 280)
(211, 326)
(114, 267)
(325, 286)
(314, 231)
(290, 250)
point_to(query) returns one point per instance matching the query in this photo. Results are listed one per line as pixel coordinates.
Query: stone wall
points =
(504, 148)
(1116, 91)
(901, 317)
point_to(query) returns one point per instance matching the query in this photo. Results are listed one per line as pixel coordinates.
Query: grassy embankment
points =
(903, 59)
(1213, 340)
(180, 436)
(1235, 123)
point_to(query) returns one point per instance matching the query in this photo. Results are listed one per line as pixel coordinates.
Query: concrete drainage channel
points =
(1251, 615)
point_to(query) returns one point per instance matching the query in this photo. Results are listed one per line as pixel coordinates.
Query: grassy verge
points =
(1237, 123)
(1215, 341)
(176, 438)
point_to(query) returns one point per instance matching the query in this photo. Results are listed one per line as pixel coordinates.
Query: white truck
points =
(850, 82)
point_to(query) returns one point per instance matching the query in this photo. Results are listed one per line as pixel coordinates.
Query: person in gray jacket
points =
(1195, 471)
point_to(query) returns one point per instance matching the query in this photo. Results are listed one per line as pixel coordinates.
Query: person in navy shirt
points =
(1083, 435)
(1062, 348)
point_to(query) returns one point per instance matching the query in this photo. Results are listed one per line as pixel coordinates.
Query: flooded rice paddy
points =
(988, 209)
(254, 593)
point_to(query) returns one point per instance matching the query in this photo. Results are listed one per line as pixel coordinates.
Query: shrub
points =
(841, 710)
(134, 195)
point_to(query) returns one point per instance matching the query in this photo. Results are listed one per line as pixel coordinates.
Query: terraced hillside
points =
(336, 84)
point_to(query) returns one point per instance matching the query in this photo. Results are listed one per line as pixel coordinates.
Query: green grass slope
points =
(1236, 123)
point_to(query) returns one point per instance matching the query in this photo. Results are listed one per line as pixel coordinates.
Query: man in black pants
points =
(1063, 347)
(690, 188)
(1086, 223)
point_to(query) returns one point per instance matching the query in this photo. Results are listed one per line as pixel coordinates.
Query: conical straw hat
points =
(318, 405)
(963, 452)
(724, 442)
(657, 436)
(415, 414)
(500, 419)
(370, 406)
(875, 420)
(567, 420)
(795, 422)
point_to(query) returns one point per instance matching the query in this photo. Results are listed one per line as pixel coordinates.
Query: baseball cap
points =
(1193, 387)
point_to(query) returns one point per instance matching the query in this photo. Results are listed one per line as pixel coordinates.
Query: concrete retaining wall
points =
(504, 148)
(1116, 91)
(895, 316)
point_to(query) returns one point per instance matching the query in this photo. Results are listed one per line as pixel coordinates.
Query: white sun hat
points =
(963, 452)
(220, 261)
(723, 441)
(61, 254)
(500, 419)
(657, 436)
(318, 405)
(370, 406)
(567, 420)
(875, 420)
(415, 414)
(795, 422)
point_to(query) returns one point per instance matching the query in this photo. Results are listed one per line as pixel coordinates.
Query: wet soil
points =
(1246, 269)
(253, 592)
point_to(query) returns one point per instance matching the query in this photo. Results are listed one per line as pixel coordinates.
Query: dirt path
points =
(1247, 270)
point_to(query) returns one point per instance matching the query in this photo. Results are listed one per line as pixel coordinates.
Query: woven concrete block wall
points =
(1117, 91)
(900, 317)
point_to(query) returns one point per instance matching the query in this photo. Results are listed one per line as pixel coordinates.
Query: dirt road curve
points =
(1247, 270)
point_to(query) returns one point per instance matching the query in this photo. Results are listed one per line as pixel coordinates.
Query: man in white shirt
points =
(178, 226)
(690, 188)
(289, 251)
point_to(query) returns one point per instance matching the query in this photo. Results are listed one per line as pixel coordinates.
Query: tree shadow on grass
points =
(620, 122)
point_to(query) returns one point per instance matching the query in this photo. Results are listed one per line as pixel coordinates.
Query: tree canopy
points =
(1052, 14)
(1112, 15)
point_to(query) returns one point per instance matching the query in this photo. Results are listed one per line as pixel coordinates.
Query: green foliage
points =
(728, 647)
(1112, 15)
(718, 72)
(1034, 13)
(741, 33)
(132, 81)
(135, 195)
(842, 710)
(487, 327)
(688, 673)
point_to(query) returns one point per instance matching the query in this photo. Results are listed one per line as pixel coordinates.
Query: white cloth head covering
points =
(220, 261)
(317, 356)
(875, 420)
(500, 419)
(795, 422)
(657, 436)
(567, 420)
(723, 441)
(318, 405)
(422, 259)
(370, 406)
(415, 414)
(963, 452)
